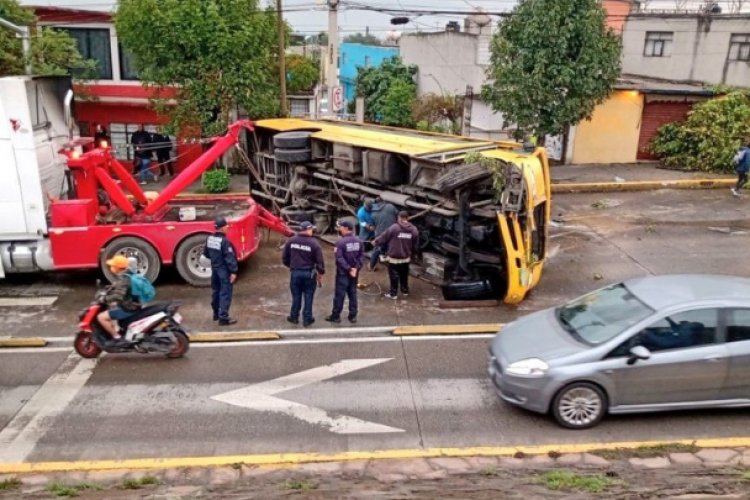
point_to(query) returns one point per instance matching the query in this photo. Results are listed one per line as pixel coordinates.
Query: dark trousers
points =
(303, 285)
(375, 255)
(346, 286)
(221, 298)
(165, 163)
(741, 180)
(399, 274)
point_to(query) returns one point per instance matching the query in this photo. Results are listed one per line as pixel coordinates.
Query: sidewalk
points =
(568, 179)
(642, 471)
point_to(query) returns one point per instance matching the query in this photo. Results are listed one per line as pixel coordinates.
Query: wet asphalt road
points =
(435, 391)
(431, 393)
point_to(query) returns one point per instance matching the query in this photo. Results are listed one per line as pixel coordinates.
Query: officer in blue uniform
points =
(304, 258)
(350, 256)
(223, 271)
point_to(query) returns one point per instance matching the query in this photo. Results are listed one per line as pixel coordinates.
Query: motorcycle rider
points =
(120, 301)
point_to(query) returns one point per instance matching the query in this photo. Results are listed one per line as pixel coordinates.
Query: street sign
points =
(338, 98)
(260, 397)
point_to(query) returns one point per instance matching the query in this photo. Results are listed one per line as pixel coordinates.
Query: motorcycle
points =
(156, 328)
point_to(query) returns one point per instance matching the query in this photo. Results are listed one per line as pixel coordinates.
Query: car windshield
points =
(602, 315)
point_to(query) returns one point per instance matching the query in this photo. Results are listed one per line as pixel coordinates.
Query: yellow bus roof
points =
(396, 140)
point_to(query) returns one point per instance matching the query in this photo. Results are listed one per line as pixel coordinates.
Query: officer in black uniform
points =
(223, 271)
(304, 257)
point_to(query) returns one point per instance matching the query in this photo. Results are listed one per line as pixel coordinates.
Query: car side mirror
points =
(638, 352)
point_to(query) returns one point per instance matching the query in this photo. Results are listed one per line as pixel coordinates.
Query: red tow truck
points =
(96, 208)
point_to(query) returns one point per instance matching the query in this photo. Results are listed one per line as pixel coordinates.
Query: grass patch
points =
(138, 483)
(646, 451)
(600, 204)
(71, 490)
(490, 470)
(746, 476)
(299, 484)
(10, 484)
(565, 480)
(237, 465)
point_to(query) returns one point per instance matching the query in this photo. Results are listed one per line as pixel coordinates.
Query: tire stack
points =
(292, 147)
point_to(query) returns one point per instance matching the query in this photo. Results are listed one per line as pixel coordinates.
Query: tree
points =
(52, 52)
(439, 113)
(709, 137)
(374, 84)
(302, 73)
(552, 62)
(366, 39)
(215, 54)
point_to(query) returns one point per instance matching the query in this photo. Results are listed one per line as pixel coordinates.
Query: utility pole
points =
(23, 33)
(282, 58)
(333, 52)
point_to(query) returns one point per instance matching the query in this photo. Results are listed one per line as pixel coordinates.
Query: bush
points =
(216, 181)
(709, 137)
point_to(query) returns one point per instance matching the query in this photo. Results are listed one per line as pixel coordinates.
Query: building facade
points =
(688, 47)
(356, 55)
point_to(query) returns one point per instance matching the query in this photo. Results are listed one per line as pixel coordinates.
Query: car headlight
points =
(532, 367)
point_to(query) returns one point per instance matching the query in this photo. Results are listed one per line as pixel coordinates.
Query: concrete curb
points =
(286, 460)
(447, 329)
(233, 336)
(11, 342)
(606, 187)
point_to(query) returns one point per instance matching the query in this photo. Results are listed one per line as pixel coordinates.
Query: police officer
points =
(223, 271)
(304, 257)
(350, 256)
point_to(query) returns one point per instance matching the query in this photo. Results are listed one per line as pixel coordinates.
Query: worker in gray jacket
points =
(384, 214)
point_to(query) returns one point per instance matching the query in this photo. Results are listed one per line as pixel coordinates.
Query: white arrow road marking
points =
(261, 397)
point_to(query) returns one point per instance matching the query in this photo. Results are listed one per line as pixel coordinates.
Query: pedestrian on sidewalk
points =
(304, 258)
(163, 144)
(350, 257)
(384, 215)
(401, 241)
(742, 162)
(223, 271)
(142, 141)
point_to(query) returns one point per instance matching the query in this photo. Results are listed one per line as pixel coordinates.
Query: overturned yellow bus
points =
(482, 207)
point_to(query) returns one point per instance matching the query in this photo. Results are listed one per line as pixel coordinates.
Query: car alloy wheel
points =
(579, 406)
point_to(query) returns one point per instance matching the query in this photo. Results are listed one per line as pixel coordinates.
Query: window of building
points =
(299, 107)
(739, 48)
(127, 70)
(658, 44)
(679, 331)
(738, 325)
(120, 134)
(94, 43)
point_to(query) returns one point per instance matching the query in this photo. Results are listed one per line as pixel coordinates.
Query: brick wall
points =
(655, 115)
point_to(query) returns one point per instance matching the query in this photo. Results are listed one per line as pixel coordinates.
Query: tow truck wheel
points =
(148, 261)
(188, 261)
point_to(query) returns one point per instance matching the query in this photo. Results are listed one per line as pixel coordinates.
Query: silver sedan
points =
(647, 344)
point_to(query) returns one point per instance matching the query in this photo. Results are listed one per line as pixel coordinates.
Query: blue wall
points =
(355, 54)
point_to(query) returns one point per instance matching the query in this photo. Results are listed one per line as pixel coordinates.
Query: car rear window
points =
(602, 315)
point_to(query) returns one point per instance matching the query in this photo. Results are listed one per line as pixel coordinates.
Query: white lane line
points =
(356, 340)
(34, 350)
(34, 420)
(27, 301)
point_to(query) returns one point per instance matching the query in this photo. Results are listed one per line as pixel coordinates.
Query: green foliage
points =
(52, 52)
(71, 490)
(299, 484)
(301, 73)
(217, 180)
(552, 62)
(439, 113)
(709, 137)
(494, 166)
(397, 104)
(138, 483)
(367, 39)
(216, 53)
(566, 480)
(385, 88)
(10, 484)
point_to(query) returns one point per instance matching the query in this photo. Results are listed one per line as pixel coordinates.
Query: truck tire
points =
(149, 262)
(456, 177)
(188, 261)
(468, 290)
(292, 140)
(293, 155)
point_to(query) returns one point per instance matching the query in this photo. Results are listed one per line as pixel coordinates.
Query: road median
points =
(15, 342)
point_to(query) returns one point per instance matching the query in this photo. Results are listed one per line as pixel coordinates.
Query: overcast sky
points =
(310, 16)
